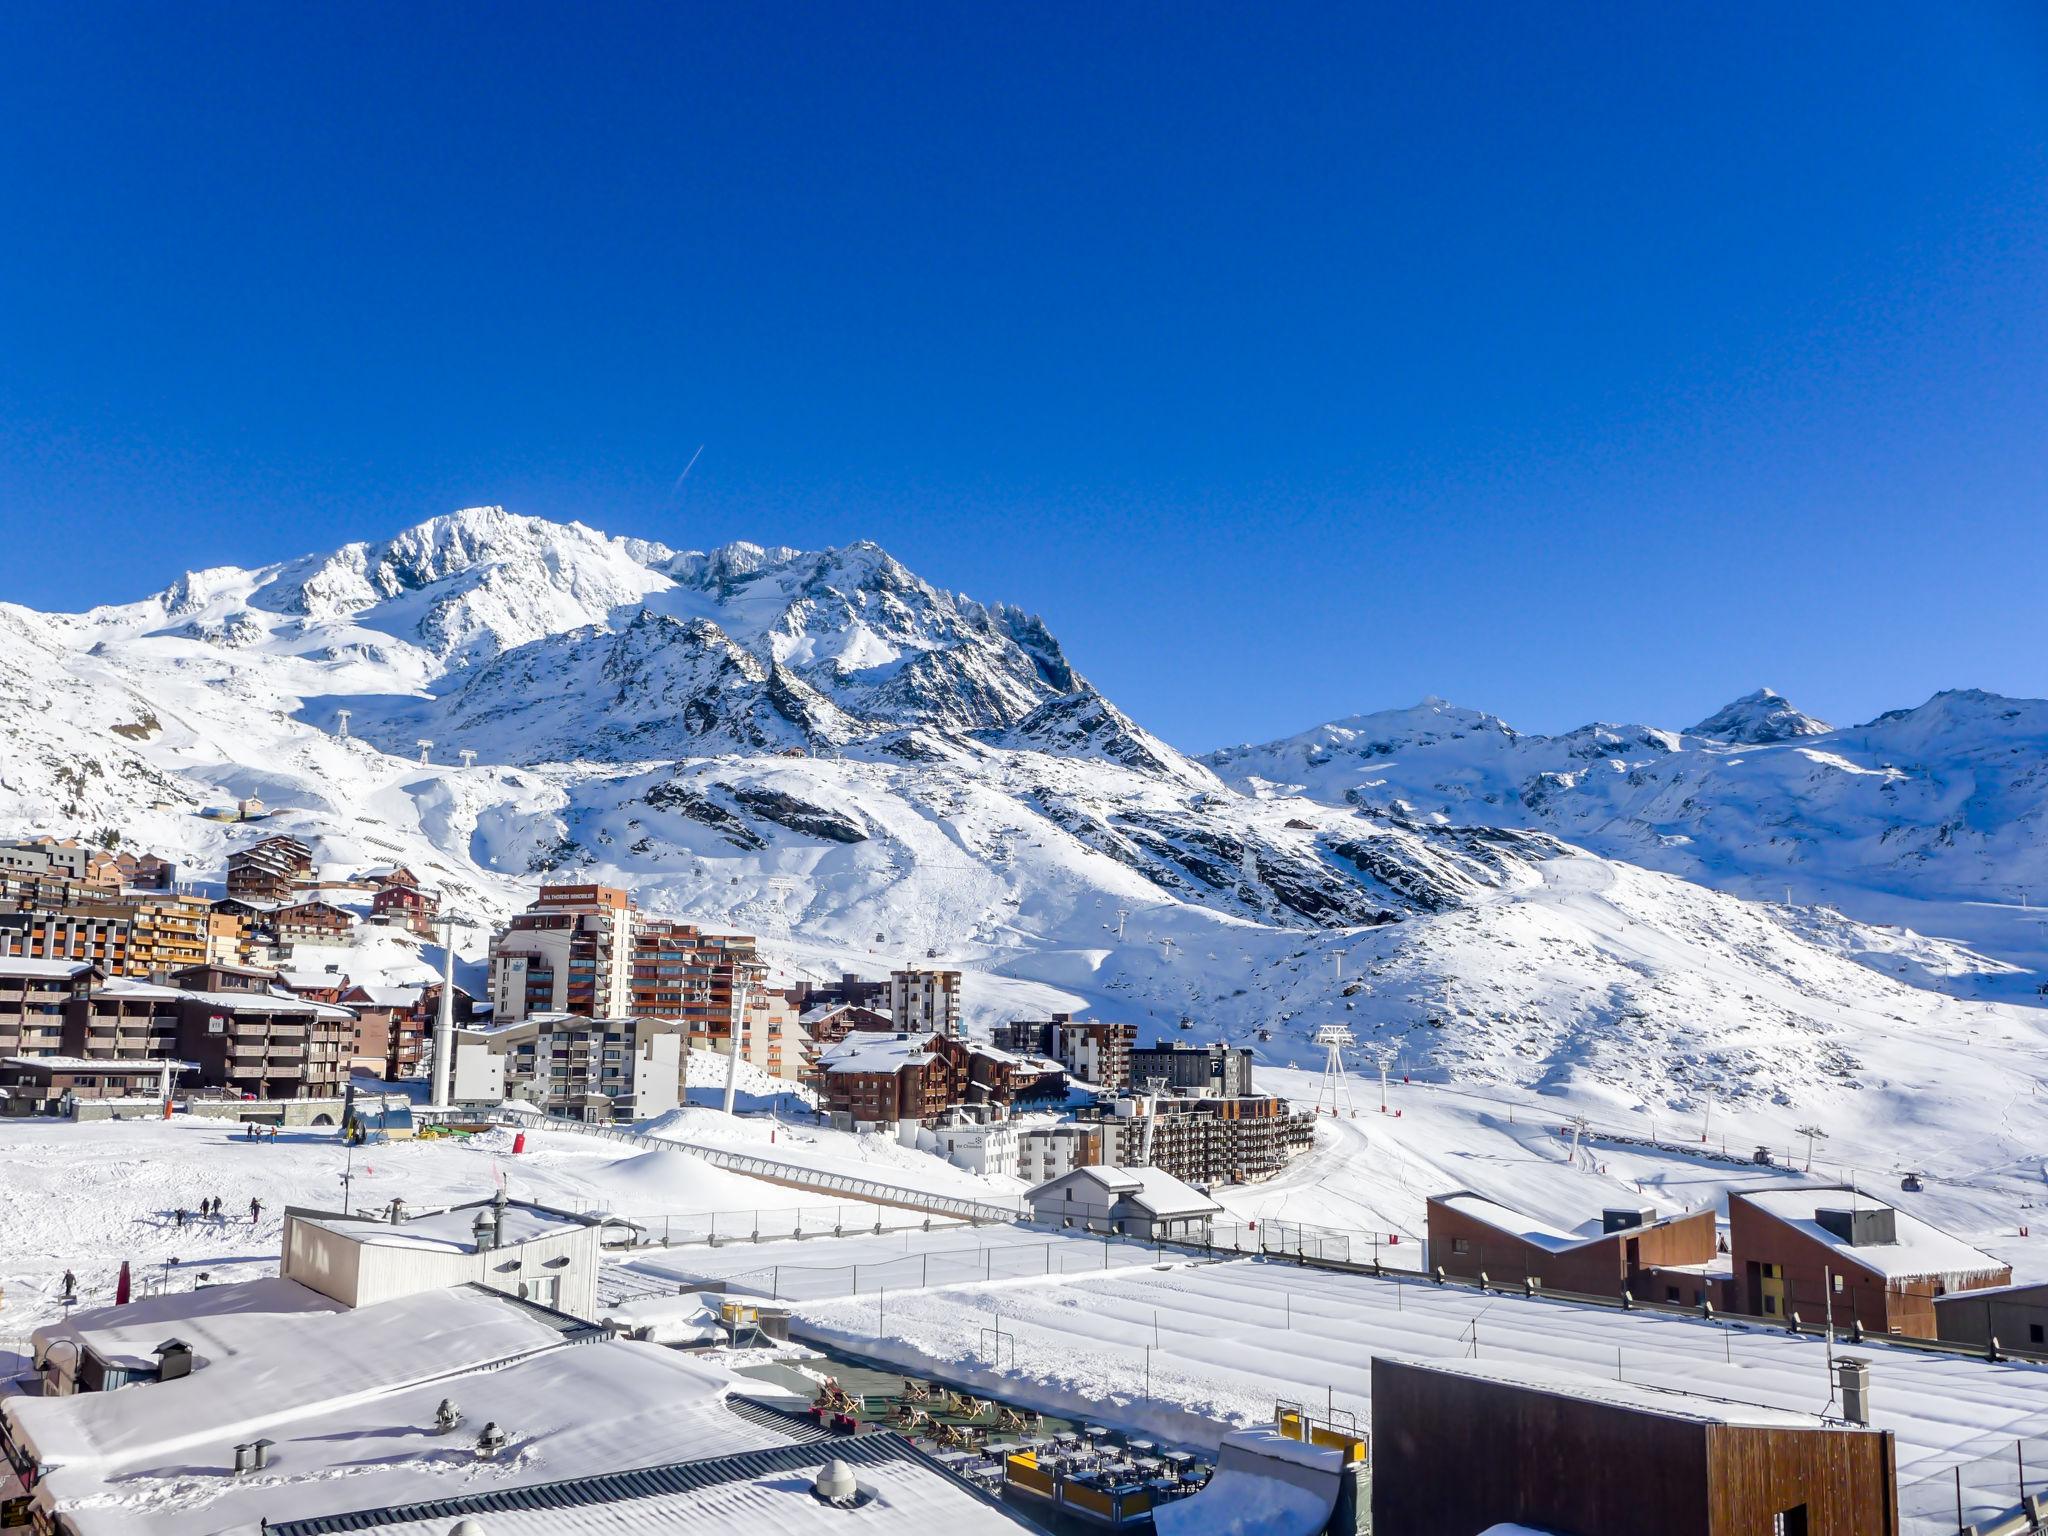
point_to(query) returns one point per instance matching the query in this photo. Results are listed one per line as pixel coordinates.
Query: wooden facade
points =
(1782, 1271)
(1455, 1452)
(1644, 1260)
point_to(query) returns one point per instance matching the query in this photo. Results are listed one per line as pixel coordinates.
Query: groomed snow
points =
(1234, 1337)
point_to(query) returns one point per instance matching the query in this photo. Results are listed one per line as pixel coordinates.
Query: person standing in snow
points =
(179, 1214)
(70, 1285)
(255, 1211)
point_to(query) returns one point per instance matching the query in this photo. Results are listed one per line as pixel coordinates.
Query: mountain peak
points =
(1760, 718)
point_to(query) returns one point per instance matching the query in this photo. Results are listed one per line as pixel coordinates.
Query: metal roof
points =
(616, 1487)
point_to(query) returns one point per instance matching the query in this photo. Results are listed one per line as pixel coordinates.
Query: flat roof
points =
(42, 970)
(570, 1411)
(213, 1319)
(258, 1370)
(112, 1066)
(452, 1230)
(755, 1493)
(1694, 1407)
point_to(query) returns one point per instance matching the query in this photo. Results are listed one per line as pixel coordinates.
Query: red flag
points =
(121, 1286)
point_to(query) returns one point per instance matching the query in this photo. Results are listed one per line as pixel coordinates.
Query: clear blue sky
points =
(1566, 362)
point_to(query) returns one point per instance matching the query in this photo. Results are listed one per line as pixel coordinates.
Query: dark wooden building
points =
(1822, 1251)
(1461, 1446)
(1670, 1259)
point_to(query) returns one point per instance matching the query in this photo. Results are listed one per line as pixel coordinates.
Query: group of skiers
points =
(210, 1208)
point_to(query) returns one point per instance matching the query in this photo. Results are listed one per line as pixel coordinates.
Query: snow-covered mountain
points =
(822, 748)
(1929, 817)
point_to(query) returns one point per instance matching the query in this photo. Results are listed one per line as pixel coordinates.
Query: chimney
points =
(1852, 1375)
(484, 1230)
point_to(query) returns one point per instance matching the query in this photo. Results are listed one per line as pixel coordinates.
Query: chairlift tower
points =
(468, 756)
(426, 746)
(1336, 1079)
(341, 723)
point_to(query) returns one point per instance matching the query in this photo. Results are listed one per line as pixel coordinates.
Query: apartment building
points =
(1224, 1071)
(33, 996)
(570, 952)
(270, 870)
(598, 1070)
(872, 1078)
(165, 932)
(925, 1001)
(406, 906)
(61, 859)
(313, 923)
(97, 937)
(681, 972)
(1205, 1139)
(237, 1033)
(1092, 1050)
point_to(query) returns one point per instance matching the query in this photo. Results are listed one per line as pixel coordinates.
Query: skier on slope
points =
(70, 1285)
(255, 1211)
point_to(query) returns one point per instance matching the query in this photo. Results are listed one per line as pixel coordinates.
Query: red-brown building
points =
(1655, 1258)
(269, 870)
(313, 922)
(1824, 1251)
(400, 901)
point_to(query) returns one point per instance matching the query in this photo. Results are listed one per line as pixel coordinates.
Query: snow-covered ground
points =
(88, 1196)
(1374, 1172)
(1188, 1350)
(874, 1264)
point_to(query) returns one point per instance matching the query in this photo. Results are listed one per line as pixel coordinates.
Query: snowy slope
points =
(822, 748)
(1934, 818)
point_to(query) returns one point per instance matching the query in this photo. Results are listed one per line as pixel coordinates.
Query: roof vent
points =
(466, 1527)
(490, 1442)
(1863, 1227)
(835, 1485)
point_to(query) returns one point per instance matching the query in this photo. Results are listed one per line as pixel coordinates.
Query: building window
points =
(1789, 1522)
(1461, 1245)
(2035, 1334)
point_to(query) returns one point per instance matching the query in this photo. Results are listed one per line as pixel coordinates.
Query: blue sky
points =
(1569, 362)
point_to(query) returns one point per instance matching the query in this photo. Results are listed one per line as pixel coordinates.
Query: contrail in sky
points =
(686, 470)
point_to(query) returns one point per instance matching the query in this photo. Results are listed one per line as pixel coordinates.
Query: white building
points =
(992, 1147)
(925, 1001)
(1048, 1149)
(1135, 1202)
(597, 1070)
(528, 1251)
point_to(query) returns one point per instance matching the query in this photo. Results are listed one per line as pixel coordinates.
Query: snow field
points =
(1235, 1336)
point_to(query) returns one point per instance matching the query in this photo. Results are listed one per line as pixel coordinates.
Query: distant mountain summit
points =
(863, 768)
(1759, 718)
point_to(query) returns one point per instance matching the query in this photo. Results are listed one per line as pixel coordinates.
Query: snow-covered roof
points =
(257, 1370)
(860, 1052)
(300, 981)
(378, 995)
(1921, 1250)
(452, 1230)
(570, 1411)
(759, 1494)
(1163, 1195)
(214, 1320)
(42, 970)
(1690, 1406)
(1151, 1189)
(106, 1064)
(1516, 1224)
